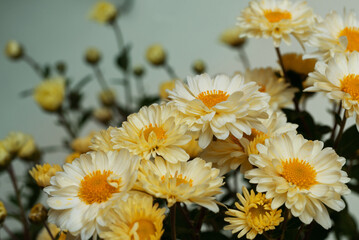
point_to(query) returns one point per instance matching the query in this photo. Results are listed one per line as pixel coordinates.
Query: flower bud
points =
(103, 114)
(42, 174)
(14, 50)
(104, 12)
(82, 144)
(92, 56)
(71, 157)
(138, 70)
(14, 141)
(50, 93)
(156, 55)
(231, 37)
(199, 66)
(5, 157)
(38, 213)
(107, 97)
(168, 85)
(61, 67)
(28, 150)
(3, 212)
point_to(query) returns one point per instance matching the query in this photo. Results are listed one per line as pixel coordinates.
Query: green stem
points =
(284, 226)
(64, 122)
(173, 221)
(9, 232)
(332, 135)
(280, 59)
(341, 129)
(244, 58)
(118, 35)
(48, 230)
(170, 71)
(100, 77)
(34, 65)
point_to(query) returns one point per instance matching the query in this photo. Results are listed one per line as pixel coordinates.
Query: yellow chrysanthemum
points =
(335, 34)
(254, 215)
(277, 19)
(220, 106)
(157, 130)
(72, 156)
(300, 174)
(280, 92)
(79, 194)
(42, 174)
(295, 62)
(168, 85)
(50, 93)
(134, 219)
(339, 80)
(192, 148)
(188, 182)
(82, 144)
(104, 12)
(101, 141)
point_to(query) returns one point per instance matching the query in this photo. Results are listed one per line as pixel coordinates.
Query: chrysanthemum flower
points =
(50, 93)
(335, 34)
(88, 185)
(42, 173)
(101, 141)
(157, 130)
(254, 215)
(231, 153)
(104, 12)
(280, 92)
(134, 219)
(276, 19)
(339, 80)
(220, 106)
(300, 174)
(188, 182)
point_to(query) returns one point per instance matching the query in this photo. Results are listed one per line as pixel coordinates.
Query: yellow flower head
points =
(5, 157)
(3, 212)
(168, 85)
(231, 37)
(50, 93)
(156, 55)
(71, 157)
(102, 141)
(107, 97)
(42, 173)
(104, 12)
(20, 144)
(82, 145)
(14, 50)
(92, 56)
(254, 215)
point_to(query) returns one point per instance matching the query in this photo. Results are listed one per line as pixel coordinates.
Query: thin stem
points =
(279, 55)
(48, 230)
(9, 232)
(128, 93)
(286, 218)
(265, 234)
(170, 71)
(140, 87)
(335, 121)
(341, 129)
(309, 232)
(18, 197)
(185, 214)
(118, 35)
(299, 231)
(34, 65)
(173, 221)
(64, 122)
(244, 58)
(100, 77)
(202, 214)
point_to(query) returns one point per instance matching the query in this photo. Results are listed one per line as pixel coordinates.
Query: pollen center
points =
(146, 229)
(95, 188)
(277, 15)
(159, 131)
(180, 179)
(211, 97)
(352, 34)
(299, 173)
(350, 84)
(255, 138)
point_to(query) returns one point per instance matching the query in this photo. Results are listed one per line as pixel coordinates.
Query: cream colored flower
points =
(82, 144)
(42, 173)
(220, 106)
(276, 19)
(156, 55)
(14, 50)
(188, 182)
(135, 219)
(338, 79)
(44, 234)
(157, 130)
(302, 175)
(254, 215)
(50, 93)
(102, 141)
(104, 12)
(280, 92)
(335, 34)
(192, 148)
(79, 194)
(231, 153)
(168, 85)
(231, 37)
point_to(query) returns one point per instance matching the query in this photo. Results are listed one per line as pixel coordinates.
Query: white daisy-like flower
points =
(339, 80)
(188, 182)
(280, 92)
(79, 194)
(335, 34)
(157, 130)
(277, 19)
(302, 175)
(102, 141)
(220, 106)
(231, 153)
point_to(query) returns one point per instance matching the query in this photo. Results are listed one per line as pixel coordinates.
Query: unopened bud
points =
(199, 66)
(138, 70)
(231, 37)
(103, 114)
(38, 213)
(5, 156)
(107, 97)
(104, 12)
(61, 67)
(14, 50)
(156, 55)
(92, 56)
(3, 212)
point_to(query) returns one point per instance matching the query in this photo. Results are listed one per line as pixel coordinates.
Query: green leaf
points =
(84, 117)
(122, 60)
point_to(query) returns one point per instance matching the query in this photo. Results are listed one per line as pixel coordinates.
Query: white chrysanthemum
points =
(78, 195)
(231, 153)
(302, 175)
(188, 182)
(220, 106)
(280, 92)
(157, 130)
(276, 19)
(137, 218)
(339, 80)
(335, 34)
(101, 141)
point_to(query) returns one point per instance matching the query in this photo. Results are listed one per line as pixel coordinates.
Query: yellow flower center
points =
(159, 131)
(299, 173)
(146, 229)
(255, 138)
(350, 84)
(211, 97)
(352, 34)
(180, 179)
(274, 16)
(95, 188)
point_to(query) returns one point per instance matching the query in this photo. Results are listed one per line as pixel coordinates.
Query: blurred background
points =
(53, 31)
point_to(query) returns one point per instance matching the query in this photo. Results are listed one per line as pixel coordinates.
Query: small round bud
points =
(38, 213)
(138, 70)
(14, 50)
(199, 66)
(71, 157)
(3, 212)
(92, 56)
(103, 114)
(231, 37)
(61, 67)
(43, 173)
(156, 55)
(107, 97)
(104, 12)
(50, 93)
